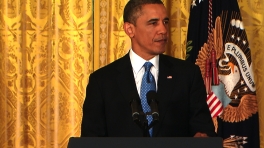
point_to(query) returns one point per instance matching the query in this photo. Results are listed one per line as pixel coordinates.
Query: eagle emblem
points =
(228, 62)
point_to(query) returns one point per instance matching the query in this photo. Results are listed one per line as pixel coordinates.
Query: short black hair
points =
(133, 8)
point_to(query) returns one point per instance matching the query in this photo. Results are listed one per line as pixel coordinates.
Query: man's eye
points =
(153, 23)
(166, 22)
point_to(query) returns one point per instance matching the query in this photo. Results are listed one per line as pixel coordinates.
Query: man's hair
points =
(133, 9)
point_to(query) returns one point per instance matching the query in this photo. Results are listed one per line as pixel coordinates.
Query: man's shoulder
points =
(112, 67)
(176, 61)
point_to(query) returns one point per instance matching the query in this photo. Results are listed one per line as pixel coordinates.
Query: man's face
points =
(150, 32)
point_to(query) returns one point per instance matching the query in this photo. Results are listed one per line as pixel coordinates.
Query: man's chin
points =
(160, 51)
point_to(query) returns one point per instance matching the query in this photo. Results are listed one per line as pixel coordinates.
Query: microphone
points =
(134, 103)
(138, 116)
(152, 101)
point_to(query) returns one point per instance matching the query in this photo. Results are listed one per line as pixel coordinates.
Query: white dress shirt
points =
(139, 70)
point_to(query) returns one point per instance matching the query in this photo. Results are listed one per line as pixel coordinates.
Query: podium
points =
(145, 142)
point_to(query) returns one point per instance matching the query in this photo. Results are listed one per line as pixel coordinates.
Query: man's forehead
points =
(154, 10)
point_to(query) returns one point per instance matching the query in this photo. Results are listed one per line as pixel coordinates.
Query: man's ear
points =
(129, 29)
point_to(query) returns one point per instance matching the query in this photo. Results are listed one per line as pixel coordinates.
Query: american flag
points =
(214, 104)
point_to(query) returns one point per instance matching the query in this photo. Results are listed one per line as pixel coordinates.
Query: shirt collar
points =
(138, 62)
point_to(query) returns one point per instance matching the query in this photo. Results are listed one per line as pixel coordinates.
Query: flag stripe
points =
(214, 104)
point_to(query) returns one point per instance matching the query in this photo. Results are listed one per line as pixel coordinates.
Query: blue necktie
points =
(148, 83)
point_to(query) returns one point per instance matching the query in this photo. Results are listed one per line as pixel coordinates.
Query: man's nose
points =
(163, 28)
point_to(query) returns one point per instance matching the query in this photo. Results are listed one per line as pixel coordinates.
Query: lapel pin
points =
(169, 77)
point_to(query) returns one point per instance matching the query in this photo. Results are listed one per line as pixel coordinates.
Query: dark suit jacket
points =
(181, 101)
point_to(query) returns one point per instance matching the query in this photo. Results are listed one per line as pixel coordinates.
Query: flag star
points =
(200, 1)
(244, 42)
(245, 89)
(235, 96)
(233, 36)
(193, 3)
(238, 38)
(244, 142)
(242, 82)
(244, 138)
(238, 91)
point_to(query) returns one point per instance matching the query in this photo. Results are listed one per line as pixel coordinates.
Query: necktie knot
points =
(149, 76)
(147, 66)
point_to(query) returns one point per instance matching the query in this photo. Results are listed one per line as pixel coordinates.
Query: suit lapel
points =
(125, 78)
(165, 88)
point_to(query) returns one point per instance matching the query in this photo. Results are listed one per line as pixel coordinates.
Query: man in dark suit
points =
(181, 93)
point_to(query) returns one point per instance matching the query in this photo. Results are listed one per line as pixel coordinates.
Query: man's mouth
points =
(161, 40)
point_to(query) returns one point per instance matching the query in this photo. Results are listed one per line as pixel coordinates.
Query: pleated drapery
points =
(48, 48)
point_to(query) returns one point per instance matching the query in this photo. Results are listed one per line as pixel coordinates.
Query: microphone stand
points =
(142, 122)
(145, 128)
(139, 117)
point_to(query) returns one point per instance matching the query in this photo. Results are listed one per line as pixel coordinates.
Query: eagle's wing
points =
(201, 58)
(247, 107)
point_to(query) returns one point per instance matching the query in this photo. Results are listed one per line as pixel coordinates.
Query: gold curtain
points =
(252, 12)
(48, 48)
